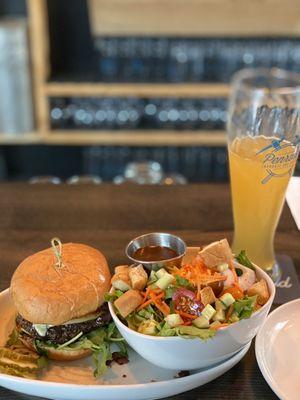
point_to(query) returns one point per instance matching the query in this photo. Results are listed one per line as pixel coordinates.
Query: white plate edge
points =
(138, 386)
(258, 354)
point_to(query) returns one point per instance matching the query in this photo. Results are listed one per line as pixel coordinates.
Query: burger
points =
(59, 294)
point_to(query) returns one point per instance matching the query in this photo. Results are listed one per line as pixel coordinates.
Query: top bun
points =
(46, 294)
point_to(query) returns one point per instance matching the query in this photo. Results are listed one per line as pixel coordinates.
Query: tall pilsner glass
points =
(263, 146)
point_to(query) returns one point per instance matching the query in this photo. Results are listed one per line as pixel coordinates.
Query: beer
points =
(260, 169)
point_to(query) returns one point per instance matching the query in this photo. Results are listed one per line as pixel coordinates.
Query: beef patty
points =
(63, 333)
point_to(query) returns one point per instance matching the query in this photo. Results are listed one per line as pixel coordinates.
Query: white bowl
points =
(186, 354)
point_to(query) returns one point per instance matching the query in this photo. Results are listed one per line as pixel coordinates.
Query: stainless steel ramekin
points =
(157, 239)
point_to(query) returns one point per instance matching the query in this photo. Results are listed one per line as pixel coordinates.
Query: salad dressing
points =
(154, 253)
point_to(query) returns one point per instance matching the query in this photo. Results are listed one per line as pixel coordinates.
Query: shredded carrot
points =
(147, 292)
(231, 266)
(186, 315)
(154, 296)
(151, 300)
(198, 274)
(219, 326)
(158, 304)
(167, 308)
(198, 295)
(187, 323)
(238, 287)
(157, 294)
(157, 291)
(145, 304)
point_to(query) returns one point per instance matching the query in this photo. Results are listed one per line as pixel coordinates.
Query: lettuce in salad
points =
(243, 259)
(244, 308)
(187, 332)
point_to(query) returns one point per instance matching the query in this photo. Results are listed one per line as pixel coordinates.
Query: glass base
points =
(275, 273)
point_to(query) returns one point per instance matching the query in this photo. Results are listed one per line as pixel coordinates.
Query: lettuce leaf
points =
(185, 283)
(99, 341)
(113, 296)
(243, 259)
(180, 283)
(186, 332)
(166, 330)
(136, 318)
(244, 308)
(170, 290)
(191, 332)
(148, 313)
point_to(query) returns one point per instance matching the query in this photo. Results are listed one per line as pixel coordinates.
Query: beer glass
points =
(263, 146)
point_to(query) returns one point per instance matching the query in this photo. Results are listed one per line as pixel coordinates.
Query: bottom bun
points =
(57, 354)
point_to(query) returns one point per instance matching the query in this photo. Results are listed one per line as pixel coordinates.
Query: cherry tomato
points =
(235, 291)
(186, 301)
(183, 292)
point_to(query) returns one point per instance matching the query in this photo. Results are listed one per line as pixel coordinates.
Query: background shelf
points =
(187, 90)
(195, 17)
(117, 138)
(20, 138)
(137, 138)
(174, 18)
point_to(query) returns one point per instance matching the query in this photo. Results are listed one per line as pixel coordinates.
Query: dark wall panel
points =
(70, 39)
(12, 7)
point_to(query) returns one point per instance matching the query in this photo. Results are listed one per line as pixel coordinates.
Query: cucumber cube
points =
(219, 305)
(164, 281)
(148, 327)
(174, 320)
(208, 311)
(227, 299)
(215, 324)
(201, 322)
(219, 316)
(161, 272)
(153, 277)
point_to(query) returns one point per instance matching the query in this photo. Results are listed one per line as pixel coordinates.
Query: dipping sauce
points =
(154, 253)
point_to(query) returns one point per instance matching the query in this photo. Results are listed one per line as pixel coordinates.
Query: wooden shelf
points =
(199, 18)
(195, 17)
(137, 138)
(118, 138)
(20, 138)
(187, 90)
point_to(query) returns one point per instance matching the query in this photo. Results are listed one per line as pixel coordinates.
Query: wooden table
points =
(109, 216)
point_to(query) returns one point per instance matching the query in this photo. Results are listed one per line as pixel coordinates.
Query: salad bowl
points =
(185, 353)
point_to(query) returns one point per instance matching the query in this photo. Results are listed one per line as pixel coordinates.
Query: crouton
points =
(207, 295)
(128, 302)
(261, 290)
(138, 277)
(215, 253)
(121, 268)
(121, 281)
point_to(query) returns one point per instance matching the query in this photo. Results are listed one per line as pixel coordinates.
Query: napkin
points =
(293, 198)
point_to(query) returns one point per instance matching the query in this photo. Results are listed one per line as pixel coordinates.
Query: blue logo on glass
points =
(273, 163)
(275, 145)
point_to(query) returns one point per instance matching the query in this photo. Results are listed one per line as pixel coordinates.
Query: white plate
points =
(277, 350)
(75, 381)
